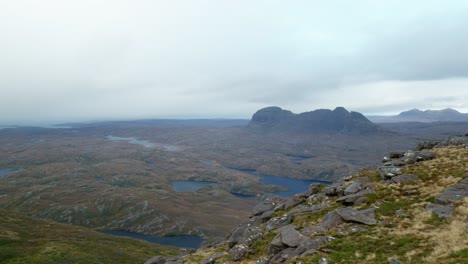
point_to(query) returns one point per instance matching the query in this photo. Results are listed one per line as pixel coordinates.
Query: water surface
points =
(8, 171)
(182, 241)
(187, 186)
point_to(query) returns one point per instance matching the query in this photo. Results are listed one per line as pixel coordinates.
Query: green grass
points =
(26, 240)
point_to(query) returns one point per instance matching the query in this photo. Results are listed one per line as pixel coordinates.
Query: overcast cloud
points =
(87, 60)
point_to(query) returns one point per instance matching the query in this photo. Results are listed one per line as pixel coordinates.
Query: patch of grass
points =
(388, 208)
(38, 241)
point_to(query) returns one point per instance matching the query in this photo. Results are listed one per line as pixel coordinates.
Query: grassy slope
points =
(27, 240)
(418, 237)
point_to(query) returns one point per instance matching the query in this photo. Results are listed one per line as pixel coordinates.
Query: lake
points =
(182, 241)
(7, 172)
(189, 186)
(293, 185)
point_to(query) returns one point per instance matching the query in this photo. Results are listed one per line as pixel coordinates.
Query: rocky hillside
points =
(412, 209)
(319, 121)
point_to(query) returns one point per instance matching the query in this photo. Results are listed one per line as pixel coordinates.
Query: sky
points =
(91, 60)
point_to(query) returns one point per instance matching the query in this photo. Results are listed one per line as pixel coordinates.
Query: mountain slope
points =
(319, 121)
(427, 116)
(413, 209)
(28, 240)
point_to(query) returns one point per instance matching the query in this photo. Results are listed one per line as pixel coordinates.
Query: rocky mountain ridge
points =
(339, 120)
(426, 116)
(412, 209)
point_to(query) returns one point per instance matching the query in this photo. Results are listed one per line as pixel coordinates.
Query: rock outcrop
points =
(319, 121)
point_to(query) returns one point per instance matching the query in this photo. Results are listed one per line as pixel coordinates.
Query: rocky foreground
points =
(412, 209)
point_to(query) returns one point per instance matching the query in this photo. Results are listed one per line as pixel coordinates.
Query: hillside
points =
(427, 116)
(412, 209)
(28, 240)
(339, 120)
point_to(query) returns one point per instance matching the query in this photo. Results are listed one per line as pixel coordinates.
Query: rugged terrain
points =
(412, 209)
(80, 176)
(28, 240)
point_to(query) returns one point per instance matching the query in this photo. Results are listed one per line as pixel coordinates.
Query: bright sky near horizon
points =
(69, 61)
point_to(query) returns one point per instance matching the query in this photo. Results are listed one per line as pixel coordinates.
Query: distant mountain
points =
(319, 121)
(427, 116)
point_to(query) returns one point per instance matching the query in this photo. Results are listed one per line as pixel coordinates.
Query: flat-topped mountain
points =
(338, 120)
(427, 116)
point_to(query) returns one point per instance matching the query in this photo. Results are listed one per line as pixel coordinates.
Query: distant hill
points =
(339, 120)
(427, 116)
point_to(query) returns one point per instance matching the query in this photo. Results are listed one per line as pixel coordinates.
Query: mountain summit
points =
(338, 120)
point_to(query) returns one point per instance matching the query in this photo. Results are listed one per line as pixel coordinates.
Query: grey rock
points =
(262, 207)
(396, 154)
(404, 178)
(314, 243)
(394, 261)
(314, 188)
(360, 200)
(324, 261)
(454, 193)
(389, 172)
(331, 220)
(353, 215)
(443, 211)
(212, 259)
(424, 155)
(353, 188)
(313, 230)
(352, 198)
(236, 236)
(251, 235)
(357, 228)
(276, 245)
(293, 201)
(284, 255)
(306, 209)
(156, 260)
(267, 215)
(309, 252)
(291, 237)
(277, 222)
(262, 261)
(239, 252)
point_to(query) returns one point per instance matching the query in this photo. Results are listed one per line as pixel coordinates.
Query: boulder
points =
(251, 235)
(236, 236)
(284, 255)
(424, 155)
(239, 252)
(306, 209)
(353, 188)
(291, 237)
(404, 178)
(454, 193)
(314, 243)
(443, 211)
(352, 198)
(331, 220)
(389, 172)
(396, 154)
(352, 215)
(267, 215)
(277, 222)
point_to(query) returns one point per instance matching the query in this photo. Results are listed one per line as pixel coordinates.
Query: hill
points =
(29, 240)
(427, 116)
(319, 121)
(412, 209)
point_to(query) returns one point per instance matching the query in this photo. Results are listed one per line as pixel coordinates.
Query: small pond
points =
(189, 186)
(182, 241)
(293, 185)
(7, 172)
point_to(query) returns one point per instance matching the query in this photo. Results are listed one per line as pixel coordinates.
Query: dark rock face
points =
(318, 121)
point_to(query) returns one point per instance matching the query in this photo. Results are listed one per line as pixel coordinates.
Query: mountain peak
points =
(318, 121)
